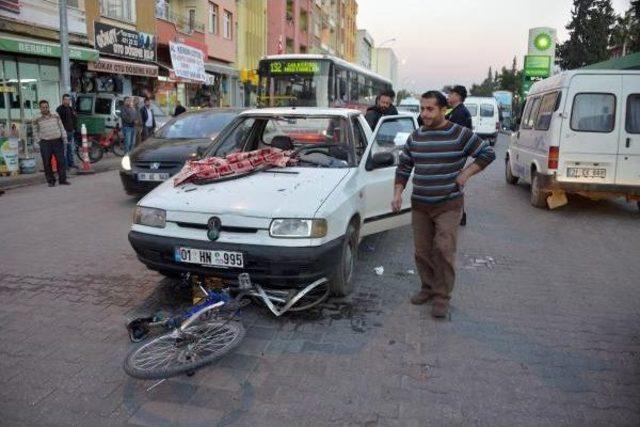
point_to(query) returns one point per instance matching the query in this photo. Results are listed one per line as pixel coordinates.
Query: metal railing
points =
(182, 22)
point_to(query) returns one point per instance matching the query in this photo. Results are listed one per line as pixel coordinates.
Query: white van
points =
(579, 133)
(485, 116)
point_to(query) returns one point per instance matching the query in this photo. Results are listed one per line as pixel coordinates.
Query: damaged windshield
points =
(317, 141)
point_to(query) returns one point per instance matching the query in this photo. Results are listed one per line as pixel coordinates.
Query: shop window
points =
(213, 18)
(124, 10)
(227, 25)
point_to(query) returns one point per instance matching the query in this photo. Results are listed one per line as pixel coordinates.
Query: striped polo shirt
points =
(436, 157)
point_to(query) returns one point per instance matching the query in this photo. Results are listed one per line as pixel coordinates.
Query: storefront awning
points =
(123, 67)
(27, 46)
(221, 69)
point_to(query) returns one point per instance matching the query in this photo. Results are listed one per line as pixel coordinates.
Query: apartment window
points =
(124, 10)
(192, 19)
(226, 24)
(304, 21)
(213, 18)
(72, 3)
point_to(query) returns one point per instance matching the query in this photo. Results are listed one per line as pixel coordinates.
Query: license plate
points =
(586, 173)
(210, 258)
(153, 176)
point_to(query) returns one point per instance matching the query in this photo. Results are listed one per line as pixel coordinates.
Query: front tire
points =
(342, 283)
(508, 173)
(95, 151)
(538, 195)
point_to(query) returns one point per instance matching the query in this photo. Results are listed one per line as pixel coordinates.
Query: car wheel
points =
(538, 195)
(170, 274)
(508, 174)
(342, 282)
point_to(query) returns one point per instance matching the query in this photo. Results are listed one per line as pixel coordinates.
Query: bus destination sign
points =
(294, 67)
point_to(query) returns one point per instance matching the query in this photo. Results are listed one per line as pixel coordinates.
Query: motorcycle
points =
(101, 144)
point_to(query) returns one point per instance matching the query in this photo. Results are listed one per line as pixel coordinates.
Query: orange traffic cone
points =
(54, 163)
(86, 163)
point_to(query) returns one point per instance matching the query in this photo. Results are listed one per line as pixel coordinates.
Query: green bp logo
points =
(542, 41)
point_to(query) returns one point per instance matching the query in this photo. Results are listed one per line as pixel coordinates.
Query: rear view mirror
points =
(383, 159)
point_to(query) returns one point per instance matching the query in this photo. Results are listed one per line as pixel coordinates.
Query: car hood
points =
(285, 193)
(158, 150)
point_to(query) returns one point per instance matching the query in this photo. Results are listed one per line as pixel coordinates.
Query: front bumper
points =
(272, 266)
(133, 187)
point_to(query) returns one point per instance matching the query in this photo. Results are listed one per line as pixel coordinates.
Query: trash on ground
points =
(379, 270)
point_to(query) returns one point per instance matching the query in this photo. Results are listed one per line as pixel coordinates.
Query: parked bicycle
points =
(208, 330)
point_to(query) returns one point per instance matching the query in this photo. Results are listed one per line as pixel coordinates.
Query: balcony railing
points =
(183, 23)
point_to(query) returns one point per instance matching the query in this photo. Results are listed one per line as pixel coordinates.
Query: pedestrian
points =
(437, 155)
(138, 121)
(179, 109)
(69, 120)
(384, 107)
(460, 115)
(128, 116)
(148, 119)
(51, 136)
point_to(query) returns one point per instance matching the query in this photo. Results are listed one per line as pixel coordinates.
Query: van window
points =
(486, 110)
(103, 106)
(633, 113)
(473, 109)
(547, 107)
(85, 105)
(593, 112)
(529, 120)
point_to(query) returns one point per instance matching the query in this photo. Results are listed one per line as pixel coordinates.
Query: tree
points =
(589, 28)
(623, 34)
(487, 87)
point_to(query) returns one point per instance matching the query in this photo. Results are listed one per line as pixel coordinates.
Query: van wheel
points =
(508, 174)
(342, 282)
(538, 195)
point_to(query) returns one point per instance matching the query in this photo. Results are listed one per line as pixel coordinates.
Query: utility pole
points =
(65, 66)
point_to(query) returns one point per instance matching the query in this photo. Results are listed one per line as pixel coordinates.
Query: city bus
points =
(308, 80)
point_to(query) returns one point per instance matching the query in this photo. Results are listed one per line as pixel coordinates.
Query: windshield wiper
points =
(281, 171)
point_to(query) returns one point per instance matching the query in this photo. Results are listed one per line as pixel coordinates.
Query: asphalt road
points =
(544, 327)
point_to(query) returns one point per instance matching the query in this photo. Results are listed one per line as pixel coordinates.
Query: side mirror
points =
(383, 159)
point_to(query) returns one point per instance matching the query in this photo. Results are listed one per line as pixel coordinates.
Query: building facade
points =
(251, 45)
(364, 49)
(385, 63)
(288, 26)
(30, 59)
(334, 28)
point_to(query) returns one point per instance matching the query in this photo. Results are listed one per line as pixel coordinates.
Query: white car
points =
(286, 227)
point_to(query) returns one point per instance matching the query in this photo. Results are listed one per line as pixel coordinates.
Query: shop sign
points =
(537, 66)
(187, 62)
(34, 47)
(122, 67)
(124, 43)
(294, 67)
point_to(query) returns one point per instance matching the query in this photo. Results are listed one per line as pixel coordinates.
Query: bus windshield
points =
(302, 83)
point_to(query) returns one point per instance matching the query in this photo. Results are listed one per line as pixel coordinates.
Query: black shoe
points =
(463, 220)
(65, 183)
(52, 184)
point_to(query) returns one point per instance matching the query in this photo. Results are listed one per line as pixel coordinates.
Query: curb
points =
(23, 180)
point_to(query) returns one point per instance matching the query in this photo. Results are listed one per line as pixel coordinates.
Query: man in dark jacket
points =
(148, 119)
(460, 115)
(69, 119)
(179, 109)
(128, 115)
(384, 107)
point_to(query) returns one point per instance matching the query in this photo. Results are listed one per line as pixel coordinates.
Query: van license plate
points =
(153, 176)
(211, 258)
(586, 173)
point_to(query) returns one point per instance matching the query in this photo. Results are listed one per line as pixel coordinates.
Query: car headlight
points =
(151, 217)
(126, 163)
(298, 228)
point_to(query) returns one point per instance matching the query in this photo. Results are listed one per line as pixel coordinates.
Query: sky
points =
(455, 41)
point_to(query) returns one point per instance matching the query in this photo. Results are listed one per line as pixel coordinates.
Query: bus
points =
(308, 80)
(505, 103)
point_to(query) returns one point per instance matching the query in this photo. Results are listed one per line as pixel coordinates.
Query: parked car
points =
(107, 106)
(579, 133)
(286, 227)
(164, 153)
(485, 117)
(409, 105)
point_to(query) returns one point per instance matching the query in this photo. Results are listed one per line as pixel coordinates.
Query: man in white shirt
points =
(148, 119)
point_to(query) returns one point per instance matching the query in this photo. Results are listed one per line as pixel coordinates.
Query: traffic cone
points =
(86, 163)
(54, 163)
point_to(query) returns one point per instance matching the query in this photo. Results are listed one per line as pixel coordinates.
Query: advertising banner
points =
(125, 43)
(187, 62)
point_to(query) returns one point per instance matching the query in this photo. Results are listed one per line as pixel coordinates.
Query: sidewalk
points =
(109, 162)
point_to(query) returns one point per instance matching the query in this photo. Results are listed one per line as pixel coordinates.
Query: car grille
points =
(228, 229)
(161, 165)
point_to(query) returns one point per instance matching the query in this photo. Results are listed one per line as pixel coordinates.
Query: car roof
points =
(301, 111)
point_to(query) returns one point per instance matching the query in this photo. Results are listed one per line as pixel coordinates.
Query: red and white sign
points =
(122, 67)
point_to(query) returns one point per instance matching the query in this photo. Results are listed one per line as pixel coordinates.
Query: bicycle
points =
(208, 330)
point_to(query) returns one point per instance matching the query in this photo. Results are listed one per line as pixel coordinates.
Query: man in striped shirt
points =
(437, 154)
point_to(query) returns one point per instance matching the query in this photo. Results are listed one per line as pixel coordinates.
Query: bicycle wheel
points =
(179, 352)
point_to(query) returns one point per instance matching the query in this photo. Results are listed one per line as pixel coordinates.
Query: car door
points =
(390, 135)
(628, 170)
(589, 138)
